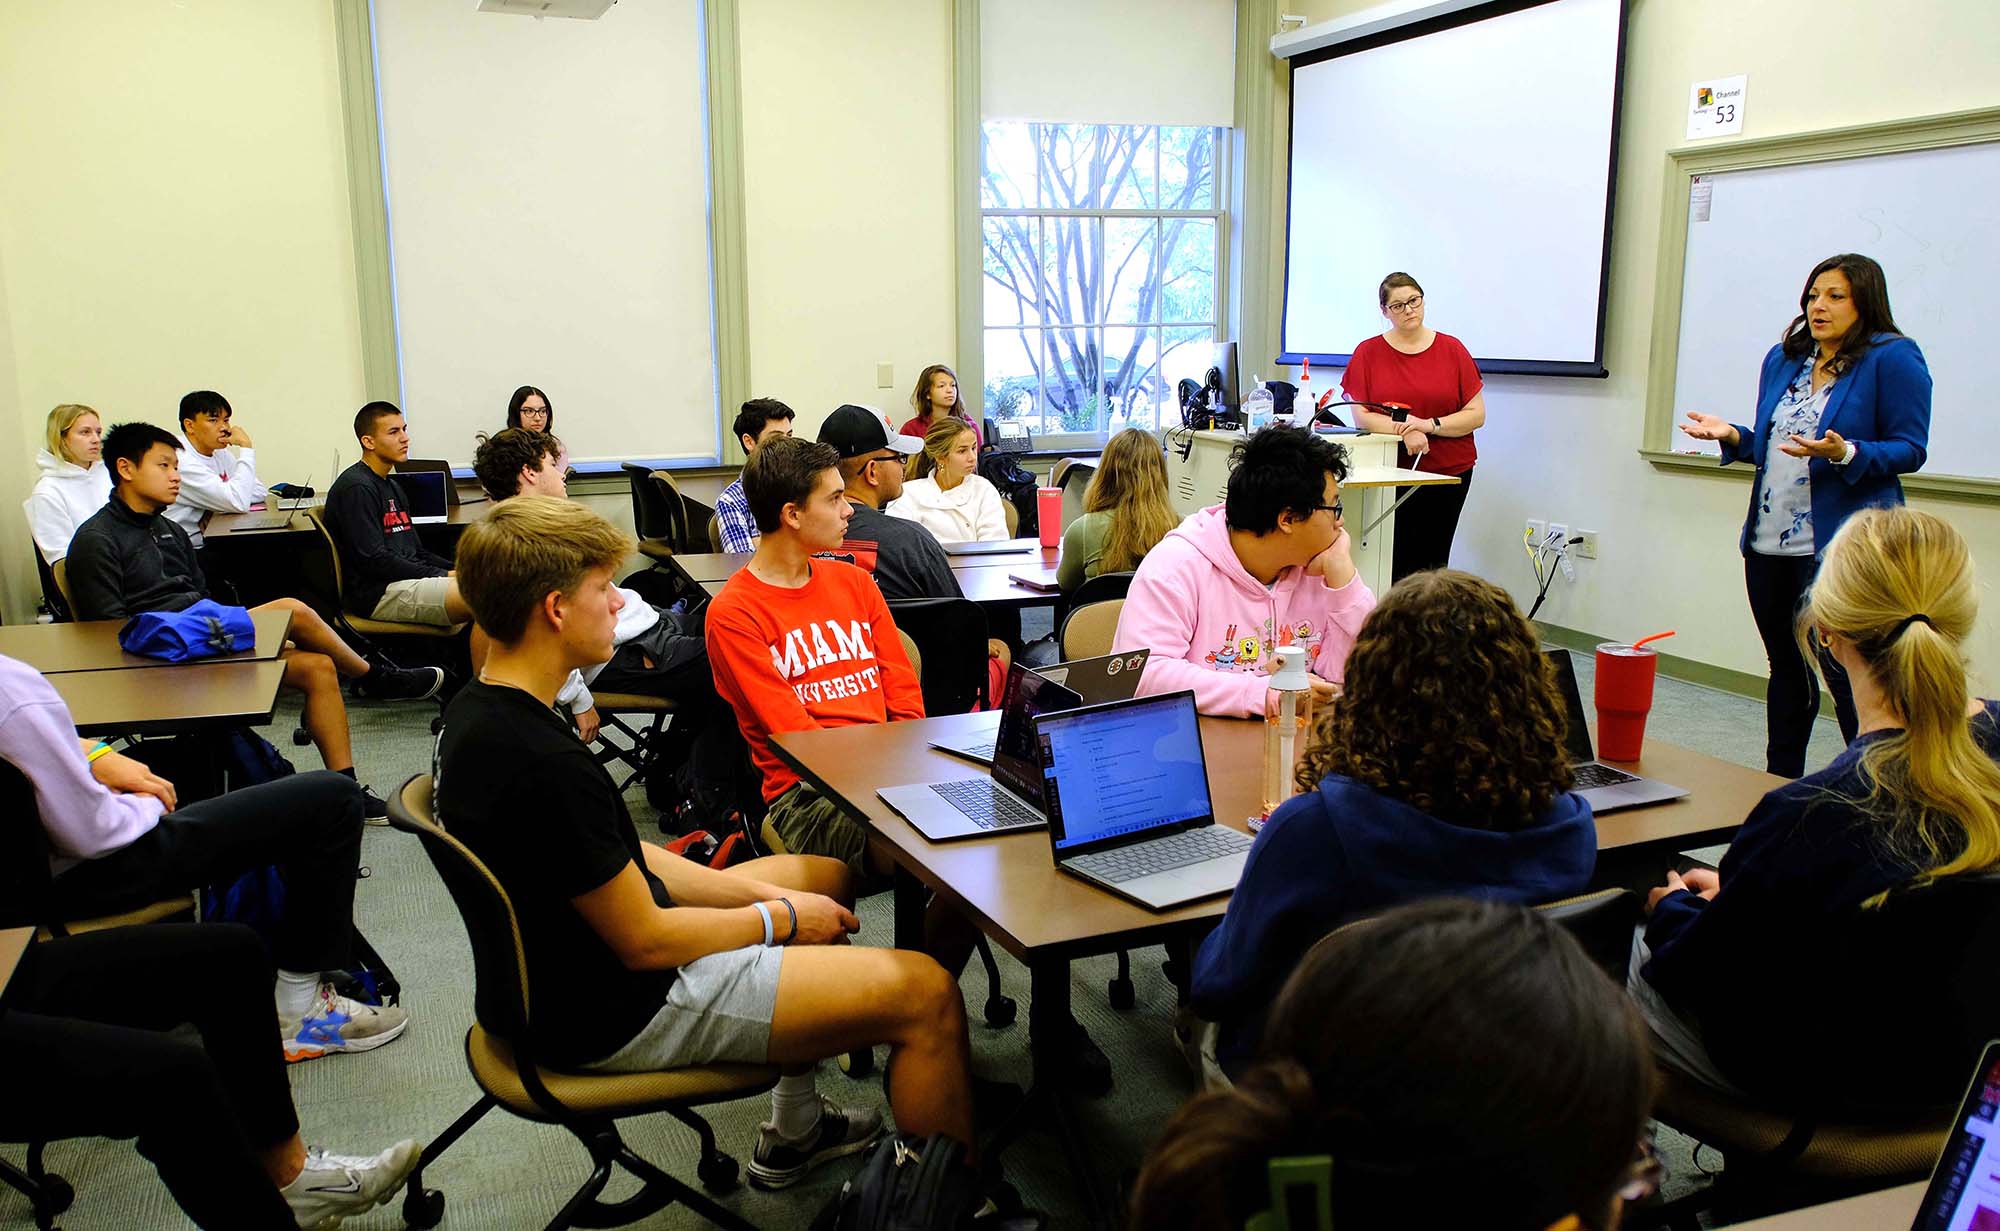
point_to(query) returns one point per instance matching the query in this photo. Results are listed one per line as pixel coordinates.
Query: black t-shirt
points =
(517, 786)
(904, 557)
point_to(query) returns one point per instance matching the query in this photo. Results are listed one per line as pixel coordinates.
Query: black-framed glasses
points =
(1407, 305)
(1334, 508)
(897, 458)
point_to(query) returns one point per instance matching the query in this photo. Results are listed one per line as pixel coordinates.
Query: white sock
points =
(795, 1105)
(296, 992)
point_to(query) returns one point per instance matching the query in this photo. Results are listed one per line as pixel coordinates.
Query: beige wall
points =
(1566, 450)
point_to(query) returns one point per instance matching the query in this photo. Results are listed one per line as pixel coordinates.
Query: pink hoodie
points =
(1214, 628)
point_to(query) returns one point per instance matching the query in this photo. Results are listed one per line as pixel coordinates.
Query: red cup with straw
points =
(1624, 695)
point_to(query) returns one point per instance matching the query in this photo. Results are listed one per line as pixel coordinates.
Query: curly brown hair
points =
(1449, 706)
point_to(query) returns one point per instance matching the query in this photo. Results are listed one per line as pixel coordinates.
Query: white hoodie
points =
(968, 513)
(223, 482)
(64, 498)
(635, 617)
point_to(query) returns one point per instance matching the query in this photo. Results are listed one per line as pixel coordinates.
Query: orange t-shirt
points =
(823, 655)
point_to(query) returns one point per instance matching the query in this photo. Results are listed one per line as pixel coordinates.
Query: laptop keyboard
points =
(1178, 850)
(1591, 774)
(987, 805)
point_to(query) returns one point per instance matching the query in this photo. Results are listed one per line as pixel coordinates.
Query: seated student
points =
(73, 485)
(1746, 975)
(936, 398)
(117, 842)
(92, 1044)
(946, 494)
(218, 464)
(529, 410)
(1385, 818)
(1268, 568)
(1463, 1064)
(390, 574)
(1125, 511)
(761, 419)
(640, 959)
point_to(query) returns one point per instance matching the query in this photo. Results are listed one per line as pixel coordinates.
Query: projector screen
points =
(1475, 151)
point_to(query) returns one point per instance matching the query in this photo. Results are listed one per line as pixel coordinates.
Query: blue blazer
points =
(1882, 404)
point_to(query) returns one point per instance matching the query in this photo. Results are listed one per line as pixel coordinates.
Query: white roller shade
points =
(1109, 61)
(548, 186)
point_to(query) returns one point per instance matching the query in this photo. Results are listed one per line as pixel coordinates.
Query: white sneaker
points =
(337, 1186)
(337, 1024)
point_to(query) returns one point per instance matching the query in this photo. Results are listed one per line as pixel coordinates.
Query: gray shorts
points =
(416, 600)
(718, 1010)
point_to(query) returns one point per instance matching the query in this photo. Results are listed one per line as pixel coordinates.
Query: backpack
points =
(203, 630)
(906, 1183)
(1015, 485)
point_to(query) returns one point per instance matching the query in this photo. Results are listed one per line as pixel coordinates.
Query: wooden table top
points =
(1888, 1209)
(165, 700)
(1395, 476)
(92, 645)
(224, 525)
(1009, 885)
(996, 586)
(983, 579)
(13, 943)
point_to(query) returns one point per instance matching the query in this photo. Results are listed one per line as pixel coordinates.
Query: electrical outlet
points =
(1560, 533)
(1588, 548)
(1537, 528)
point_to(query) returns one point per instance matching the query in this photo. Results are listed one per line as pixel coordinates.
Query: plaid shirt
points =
(739, 529)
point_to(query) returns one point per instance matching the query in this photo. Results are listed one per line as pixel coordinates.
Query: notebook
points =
(1112, 677)
(1009, 800)
(1604, 787)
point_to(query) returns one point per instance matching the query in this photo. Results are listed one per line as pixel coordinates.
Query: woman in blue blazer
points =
(1843, 408)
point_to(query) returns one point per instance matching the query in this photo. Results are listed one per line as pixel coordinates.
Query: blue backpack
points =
(204, 630)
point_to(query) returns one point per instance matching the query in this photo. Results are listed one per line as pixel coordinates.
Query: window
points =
(1102, 243)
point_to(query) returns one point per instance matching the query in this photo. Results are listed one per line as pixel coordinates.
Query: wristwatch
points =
(1437, 424)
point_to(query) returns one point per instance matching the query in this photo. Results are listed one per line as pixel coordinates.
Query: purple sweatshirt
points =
(84, 819)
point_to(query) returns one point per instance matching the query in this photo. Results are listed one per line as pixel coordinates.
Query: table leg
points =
(911, 897)
(1050, 1030)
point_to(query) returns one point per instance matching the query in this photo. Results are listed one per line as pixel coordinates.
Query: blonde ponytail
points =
(1898, 583)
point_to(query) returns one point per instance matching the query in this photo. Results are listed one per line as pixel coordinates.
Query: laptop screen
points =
(1579, 726)
(424, 489)
(1964, 1194)
(1028, 695)
(1118, 769)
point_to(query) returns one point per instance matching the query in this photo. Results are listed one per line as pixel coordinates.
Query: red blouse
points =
(1433, 383)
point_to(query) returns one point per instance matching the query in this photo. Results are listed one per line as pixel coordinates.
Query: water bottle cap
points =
(1291, 675)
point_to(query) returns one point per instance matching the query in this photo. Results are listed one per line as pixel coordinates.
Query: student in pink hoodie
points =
(1220, 594)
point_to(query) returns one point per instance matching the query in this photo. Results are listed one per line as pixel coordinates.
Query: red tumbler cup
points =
(1048, 514)
(1624, 693)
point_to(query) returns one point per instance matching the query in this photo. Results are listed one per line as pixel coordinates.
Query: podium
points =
(1198, 476)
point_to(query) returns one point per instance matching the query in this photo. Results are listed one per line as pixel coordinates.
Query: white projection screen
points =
(1476, 151)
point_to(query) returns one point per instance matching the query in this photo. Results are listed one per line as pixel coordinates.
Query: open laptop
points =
(1112, 677)
(1125, 787)
(275, 515)
(992, 548)
(1605, 788)
(1964, 1192)
(425, 492)
(451, 496)
(1009, 800)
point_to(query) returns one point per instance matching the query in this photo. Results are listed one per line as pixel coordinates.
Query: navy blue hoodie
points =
(1345, 852)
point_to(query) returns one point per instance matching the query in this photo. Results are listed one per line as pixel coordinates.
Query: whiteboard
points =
(1924, 215)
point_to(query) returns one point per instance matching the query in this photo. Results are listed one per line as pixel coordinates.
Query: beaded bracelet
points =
(793, 912)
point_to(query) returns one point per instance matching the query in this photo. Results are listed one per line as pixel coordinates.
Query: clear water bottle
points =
(1257, 406)
(1287, 722)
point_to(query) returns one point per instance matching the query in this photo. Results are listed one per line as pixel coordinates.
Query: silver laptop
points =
(1112, 677)
(1009, 800)
(1602, 786)
(1964, 1192)
(275, 515)
(1125, 787)
(992, 547)
(425, 492)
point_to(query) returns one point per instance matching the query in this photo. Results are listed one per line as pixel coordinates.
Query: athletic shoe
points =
(337, 1024)
(387, 683)
(373, 810)
(337, 1186)
(778, 1163)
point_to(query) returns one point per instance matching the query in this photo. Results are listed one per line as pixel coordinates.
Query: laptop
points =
(272, 516)
(424, 491)
(451, 496)
(994, 547)
(1009, 800)
(1125, 787)
(1605, 788)
(1112, 677)
(1964, 1192)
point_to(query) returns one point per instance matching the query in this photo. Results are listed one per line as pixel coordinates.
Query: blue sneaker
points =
(337, 1024)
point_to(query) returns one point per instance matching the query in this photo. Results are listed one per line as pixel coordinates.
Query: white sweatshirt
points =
(224, 482)
(64, 498)
(968, 513)
(636, 617)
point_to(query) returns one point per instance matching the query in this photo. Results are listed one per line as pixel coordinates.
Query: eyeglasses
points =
(1406, 305)
(897, 458)
(1334, 508)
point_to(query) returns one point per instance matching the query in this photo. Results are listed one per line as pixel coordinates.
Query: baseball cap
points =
(854, 430)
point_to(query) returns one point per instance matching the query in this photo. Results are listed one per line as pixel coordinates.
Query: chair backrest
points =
(1088, 631)
(499, 961)
(317, 516)
(657, 512)
(1074, 478)
(1101, 589)
(1602, 923)
(715, 533)
(59, 574)
(910, 650)
(950, 634)
(55, 585)
(1013, 516)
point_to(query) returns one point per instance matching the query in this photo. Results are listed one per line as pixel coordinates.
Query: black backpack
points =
(907, 1183)
(1015, 485)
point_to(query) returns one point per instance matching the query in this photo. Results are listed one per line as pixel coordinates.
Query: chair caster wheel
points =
(1000, 1011)
(858, 1064)
(437, 724)
(423, 1208)
(717, 1173)
(1122, 994)
(57, 1192)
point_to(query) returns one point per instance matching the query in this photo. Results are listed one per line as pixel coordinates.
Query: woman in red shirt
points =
(1433, 374)
(936, 397)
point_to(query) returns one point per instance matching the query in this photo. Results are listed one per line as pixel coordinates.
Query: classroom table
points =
(172, 699)
(1008, 886)
(986, 580)
(1887, 1209)
(92, 645)
(234, 525)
